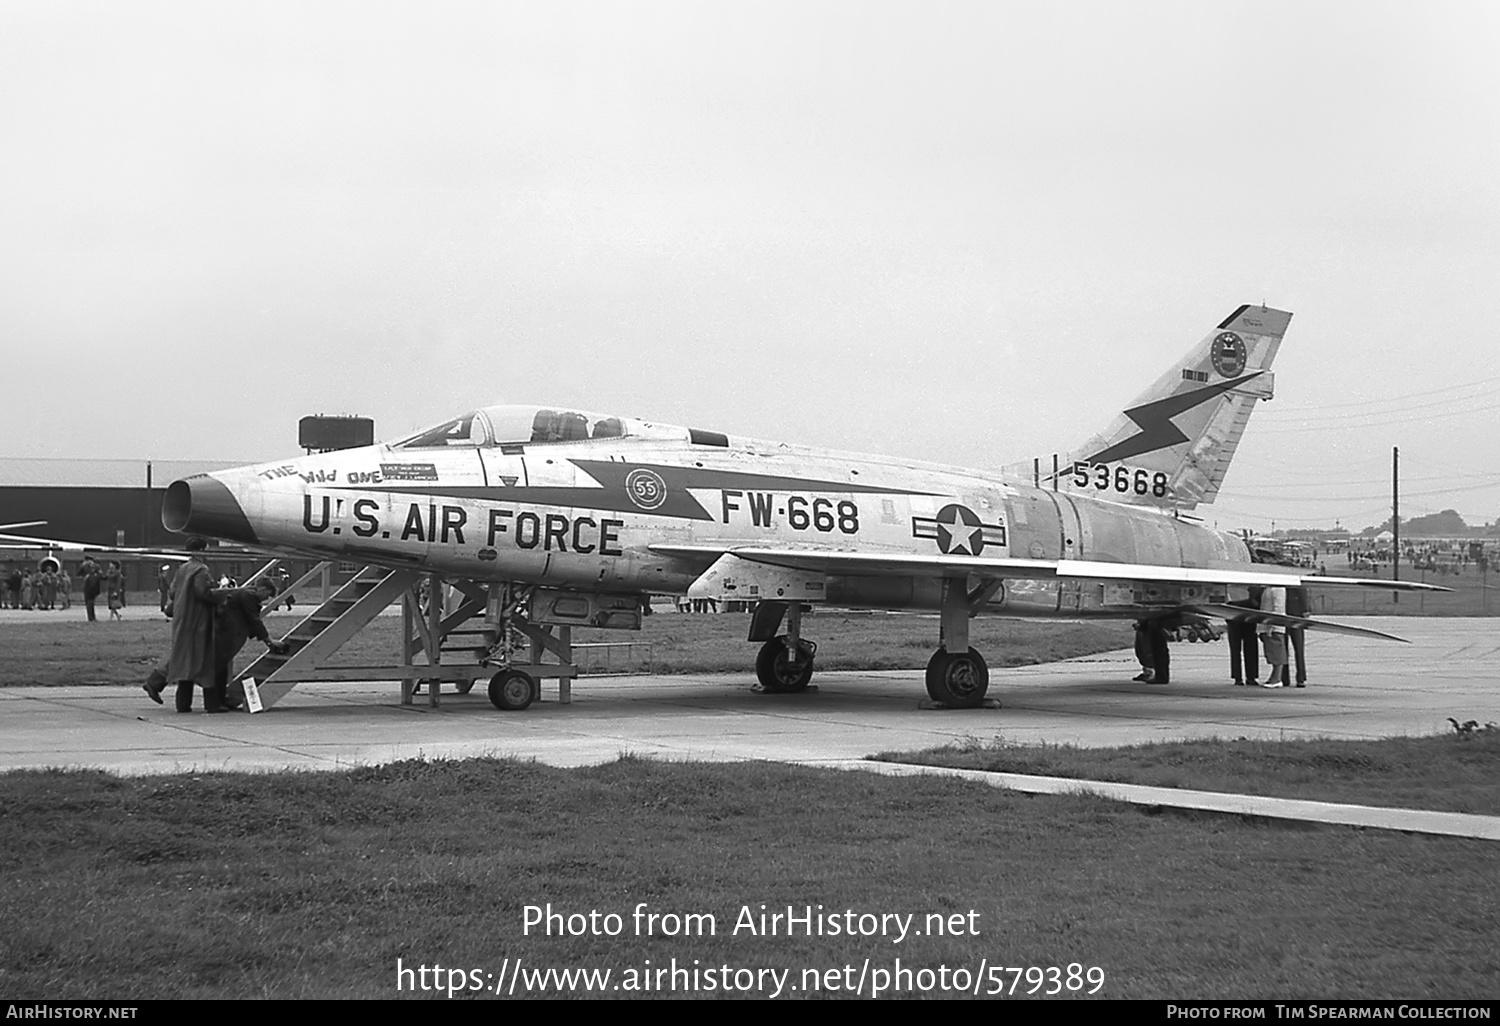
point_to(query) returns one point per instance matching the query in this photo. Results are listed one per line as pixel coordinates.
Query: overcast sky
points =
(968, 233)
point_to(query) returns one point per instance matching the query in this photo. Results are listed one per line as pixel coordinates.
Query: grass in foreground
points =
(1449, 773)
(313, 885)
(50, 653)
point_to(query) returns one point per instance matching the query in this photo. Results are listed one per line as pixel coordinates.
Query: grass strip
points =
(1447, 773)
(313, 885)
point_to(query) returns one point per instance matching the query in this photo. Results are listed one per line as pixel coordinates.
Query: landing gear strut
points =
(957, 676)
(785, 662)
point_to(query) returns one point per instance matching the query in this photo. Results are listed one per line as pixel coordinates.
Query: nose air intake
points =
(203, 505)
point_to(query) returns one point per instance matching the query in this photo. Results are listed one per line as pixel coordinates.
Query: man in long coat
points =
(192, 612)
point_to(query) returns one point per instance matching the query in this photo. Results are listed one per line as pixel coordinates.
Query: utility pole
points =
(1395, 520)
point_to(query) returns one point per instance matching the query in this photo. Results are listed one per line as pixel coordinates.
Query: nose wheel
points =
(957, 680)
(778, 671)
(512, 690)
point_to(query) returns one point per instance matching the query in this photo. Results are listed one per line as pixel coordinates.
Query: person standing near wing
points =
(1273, 636)
(1298, 603)
(1151, 651)
(1244, 662)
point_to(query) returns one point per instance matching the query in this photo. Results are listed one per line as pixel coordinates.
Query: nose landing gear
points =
(779, 671)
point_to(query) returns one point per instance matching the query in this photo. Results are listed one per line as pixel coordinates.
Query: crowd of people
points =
(50, 586)
(211, 620)
(1440, 557)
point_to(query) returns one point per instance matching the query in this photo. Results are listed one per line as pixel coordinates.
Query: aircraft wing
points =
(21, 523)
(906, 564)
(1256, 616)
(25, 542)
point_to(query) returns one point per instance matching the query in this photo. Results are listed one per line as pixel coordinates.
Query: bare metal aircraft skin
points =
(608, 505)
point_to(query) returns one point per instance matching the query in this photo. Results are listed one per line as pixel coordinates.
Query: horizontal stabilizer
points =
(1320, 581)
(1257, 616)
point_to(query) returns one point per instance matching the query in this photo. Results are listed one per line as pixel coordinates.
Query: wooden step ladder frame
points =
(322, 632)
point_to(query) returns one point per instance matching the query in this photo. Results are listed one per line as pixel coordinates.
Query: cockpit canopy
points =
(534, 425)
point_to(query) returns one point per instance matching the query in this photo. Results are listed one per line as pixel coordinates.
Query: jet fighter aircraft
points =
(604, 509)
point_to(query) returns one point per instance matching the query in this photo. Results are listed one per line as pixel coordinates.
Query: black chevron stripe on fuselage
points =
(614, 496)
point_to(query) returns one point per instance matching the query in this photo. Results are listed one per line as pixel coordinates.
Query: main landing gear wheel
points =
(957, 679)
(512, 690)
(777, 673)
(463, 687)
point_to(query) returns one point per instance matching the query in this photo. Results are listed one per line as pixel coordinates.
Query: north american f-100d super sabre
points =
(597, 511)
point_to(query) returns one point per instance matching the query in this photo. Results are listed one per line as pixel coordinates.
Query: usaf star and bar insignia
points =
(958, 531)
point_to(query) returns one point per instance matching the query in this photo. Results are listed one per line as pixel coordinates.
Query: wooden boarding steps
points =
(485, 629)
(325, 630)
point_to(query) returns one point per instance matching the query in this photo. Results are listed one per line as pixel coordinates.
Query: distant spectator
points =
(114, 589)
(93, 579)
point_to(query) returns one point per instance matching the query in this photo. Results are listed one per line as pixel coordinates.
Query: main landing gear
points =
(957, 677)
(957, 680)
(785, 662)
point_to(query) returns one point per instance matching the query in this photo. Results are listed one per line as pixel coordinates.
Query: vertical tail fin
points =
(1172, 446)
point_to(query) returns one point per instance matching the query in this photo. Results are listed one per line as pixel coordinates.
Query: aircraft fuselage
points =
(584, 514)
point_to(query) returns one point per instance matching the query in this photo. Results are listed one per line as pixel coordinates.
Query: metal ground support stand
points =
(506, 617)
(425, 631)
(487, 634)
(324, 630)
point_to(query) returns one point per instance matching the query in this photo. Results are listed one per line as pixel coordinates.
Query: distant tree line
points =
(1447, 524)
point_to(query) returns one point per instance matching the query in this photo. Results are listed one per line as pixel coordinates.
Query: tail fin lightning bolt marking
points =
(1155, 421)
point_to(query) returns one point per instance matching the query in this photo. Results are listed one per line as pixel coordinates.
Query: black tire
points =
(957, 680)
(463, 687)
(512, 690)
(779, 674)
